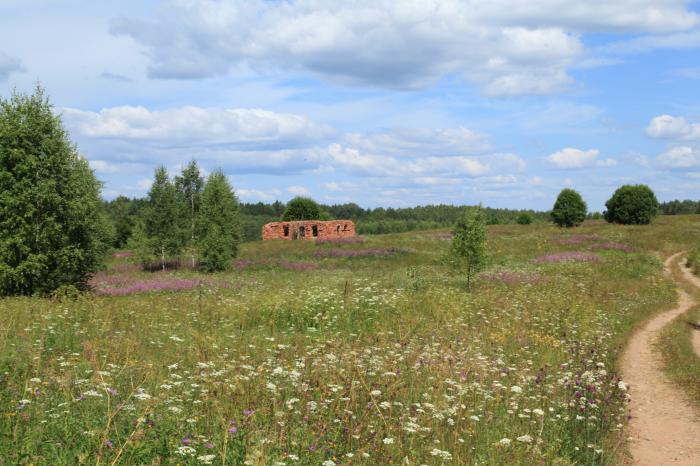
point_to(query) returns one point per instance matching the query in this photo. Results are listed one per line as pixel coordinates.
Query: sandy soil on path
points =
(664, 429)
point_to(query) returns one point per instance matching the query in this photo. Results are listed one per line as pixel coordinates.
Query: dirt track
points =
(663, 429)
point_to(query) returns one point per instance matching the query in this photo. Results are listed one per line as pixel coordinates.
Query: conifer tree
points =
(52, 230)
(219, 224)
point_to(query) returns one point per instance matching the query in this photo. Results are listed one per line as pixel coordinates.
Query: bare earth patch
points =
(664, 428)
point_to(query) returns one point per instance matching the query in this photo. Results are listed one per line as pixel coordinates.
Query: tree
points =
(189, 188)
(301, 208)
(52, 227)
(524, 218)
(468, 244)
(632, 205)
(220, 227)
(162, 227)
(570, 209)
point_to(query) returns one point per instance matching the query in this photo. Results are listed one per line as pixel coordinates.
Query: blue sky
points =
(383, 103)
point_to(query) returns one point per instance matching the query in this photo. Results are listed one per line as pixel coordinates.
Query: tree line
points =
(123, 213)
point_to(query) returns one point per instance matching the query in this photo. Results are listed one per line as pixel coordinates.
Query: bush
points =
(570, 209)
(525, 218)
(301, 208)
(53, 232)
(632, 205)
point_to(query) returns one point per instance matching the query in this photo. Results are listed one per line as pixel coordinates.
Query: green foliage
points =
(162, 226)
(123, 214)
(569, 209)
(632, 205)
(220, 230)
(52, 229)
(189, 187)
(301, 208)
(676, 207)
(469, 242)
(525, 218)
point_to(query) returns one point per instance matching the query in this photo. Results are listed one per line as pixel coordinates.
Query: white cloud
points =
(573, 158)
(417, 142)
(111, 168)
(242, 128)
(258, 194)
(9, 65)
(606, 163)
(508, 48)
(535, 180)
(670, 127)
(299, 191)
(680, 157)
(357, 162)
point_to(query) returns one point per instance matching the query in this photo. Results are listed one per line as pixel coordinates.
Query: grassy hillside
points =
(364, 353)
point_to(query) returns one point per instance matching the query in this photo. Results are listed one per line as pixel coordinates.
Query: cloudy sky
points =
(379, 102)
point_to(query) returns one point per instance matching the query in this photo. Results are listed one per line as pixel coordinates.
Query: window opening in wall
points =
(337, 229)
(286, 230)
(314, 230)
(345, 227)
(302, 232)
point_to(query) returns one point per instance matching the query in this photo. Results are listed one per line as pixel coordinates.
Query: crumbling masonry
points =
(309, 229)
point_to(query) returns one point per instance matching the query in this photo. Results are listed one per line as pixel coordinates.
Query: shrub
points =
(632, 205)
(525, 218)
(52, 231)
(301, 208)
(570, 209)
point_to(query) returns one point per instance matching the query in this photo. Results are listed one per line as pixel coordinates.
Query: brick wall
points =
(309, 230)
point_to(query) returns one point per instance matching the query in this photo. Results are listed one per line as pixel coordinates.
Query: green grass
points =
(357, 360)
(682, 364)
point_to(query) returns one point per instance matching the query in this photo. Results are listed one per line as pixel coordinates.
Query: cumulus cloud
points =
(357, 162)
(9, 65)
(250, 141)
(242, 128)
(573, 158)
(299, 191)
(416, 142)
(670, 127)
(680, 157)
(258, 194)
(507, 48)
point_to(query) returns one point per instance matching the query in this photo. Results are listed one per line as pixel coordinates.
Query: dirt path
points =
(695, 281)
(663, 428)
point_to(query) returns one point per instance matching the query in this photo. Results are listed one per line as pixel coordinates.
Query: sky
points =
(379, 102)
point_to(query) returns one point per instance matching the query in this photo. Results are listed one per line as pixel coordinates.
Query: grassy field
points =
(367, 353)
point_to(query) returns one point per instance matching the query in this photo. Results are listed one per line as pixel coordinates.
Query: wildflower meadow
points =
(366, 352)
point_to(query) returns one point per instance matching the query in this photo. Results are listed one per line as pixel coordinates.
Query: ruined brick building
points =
(308, 229)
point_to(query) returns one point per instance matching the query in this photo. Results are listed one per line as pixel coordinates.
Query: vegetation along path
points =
(663, 428)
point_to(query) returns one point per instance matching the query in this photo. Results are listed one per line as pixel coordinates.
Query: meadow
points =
(356, 353)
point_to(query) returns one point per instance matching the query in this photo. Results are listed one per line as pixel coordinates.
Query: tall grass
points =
(360, 359)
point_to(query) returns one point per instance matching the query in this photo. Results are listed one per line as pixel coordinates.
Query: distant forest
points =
(124, 212)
